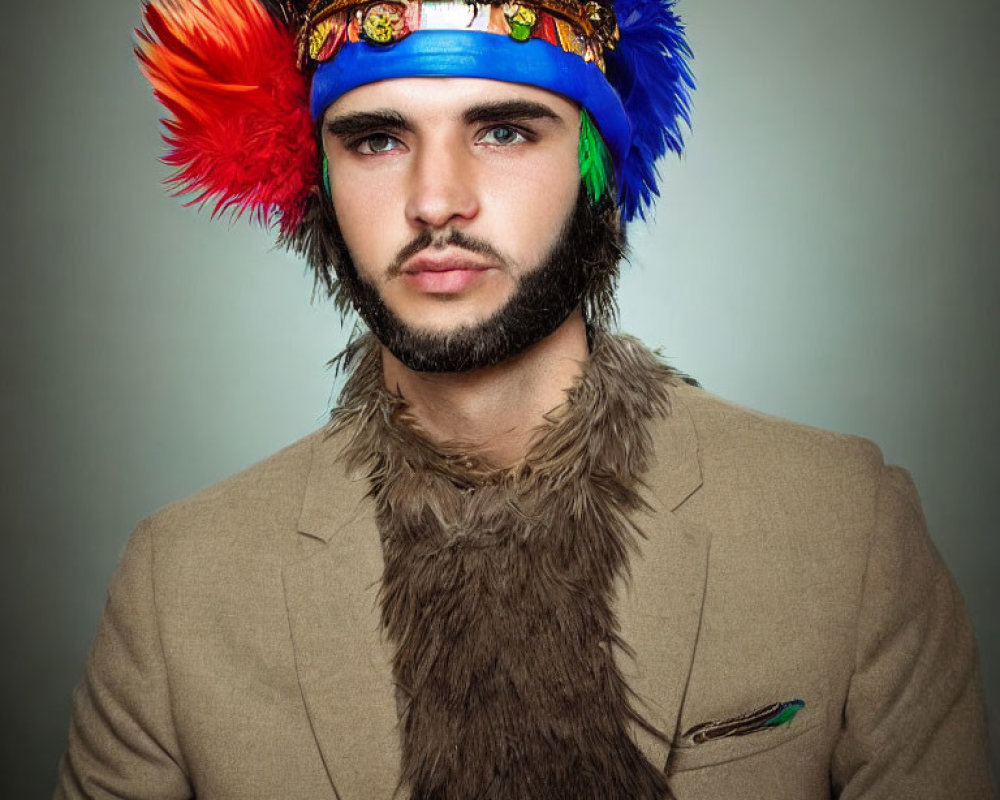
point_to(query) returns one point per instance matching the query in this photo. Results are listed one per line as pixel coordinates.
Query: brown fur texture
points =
(498, 586)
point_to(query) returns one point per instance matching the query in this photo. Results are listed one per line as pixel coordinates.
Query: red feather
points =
(241, 136)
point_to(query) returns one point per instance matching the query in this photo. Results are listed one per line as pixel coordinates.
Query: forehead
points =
(444, 98)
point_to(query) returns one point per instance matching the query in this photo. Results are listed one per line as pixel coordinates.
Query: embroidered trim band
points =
(583, 30)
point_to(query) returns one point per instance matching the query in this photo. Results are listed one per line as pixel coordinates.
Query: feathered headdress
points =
(241, 137)
(649, 70)
(244, 81)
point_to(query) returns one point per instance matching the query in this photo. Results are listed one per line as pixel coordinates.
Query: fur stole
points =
(498, 586)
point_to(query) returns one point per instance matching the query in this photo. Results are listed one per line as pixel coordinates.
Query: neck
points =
(496, 410)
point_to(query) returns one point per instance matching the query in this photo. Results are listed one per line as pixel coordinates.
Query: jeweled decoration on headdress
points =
(584, 29)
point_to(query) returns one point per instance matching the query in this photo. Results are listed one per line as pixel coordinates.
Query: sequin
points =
(521, 19)
(570, 38)
(333, 39)
(318, 37)
(383, 23)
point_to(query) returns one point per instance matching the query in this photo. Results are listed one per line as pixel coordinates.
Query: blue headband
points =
(475, 54)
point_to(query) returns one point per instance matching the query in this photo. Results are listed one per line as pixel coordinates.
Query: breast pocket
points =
(790, 762)
(689, 755)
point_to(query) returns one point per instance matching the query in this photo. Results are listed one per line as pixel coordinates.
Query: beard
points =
(580, 269)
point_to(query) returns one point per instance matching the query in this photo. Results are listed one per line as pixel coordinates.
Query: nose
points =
(442, 185)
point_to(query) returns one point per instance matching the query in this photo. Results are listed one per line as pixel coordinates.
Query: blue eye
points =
(503, 135)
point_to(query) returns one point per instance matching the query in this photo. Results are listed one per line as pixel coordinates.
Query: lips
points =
(447, 273)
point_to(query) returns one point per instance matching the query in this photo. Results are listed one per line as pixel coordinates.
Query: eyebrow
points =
(361, 122)
(509, 111)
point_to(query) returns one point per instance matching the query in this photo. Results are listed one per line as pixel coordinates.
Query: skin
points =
(496, 162)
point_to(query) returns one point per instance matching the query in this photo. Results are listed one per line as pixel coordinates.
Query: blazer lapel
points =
(659, 606)
(343, 661)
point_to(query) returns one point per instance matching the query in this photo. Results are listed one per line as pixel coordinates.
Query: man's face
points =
(451, 193)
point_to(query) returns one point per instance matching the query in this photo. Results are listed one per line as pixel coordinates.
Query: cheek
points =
(361, 211)
(351, 216)
(551, 180)
(540, 200)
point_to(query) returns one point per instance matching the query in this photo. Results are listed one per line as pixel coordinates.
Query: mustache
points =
(439, 241)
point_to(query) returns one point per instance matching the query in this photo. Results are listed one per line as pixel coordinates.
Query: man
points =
(526, 559)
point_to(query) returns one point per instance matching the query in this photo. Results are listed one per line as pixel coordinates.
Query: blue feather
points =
(649, 69)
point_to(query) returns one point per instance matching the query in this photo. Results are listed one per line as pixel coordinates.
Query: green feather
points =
(785, 714)
(326, 175)
(595, 160)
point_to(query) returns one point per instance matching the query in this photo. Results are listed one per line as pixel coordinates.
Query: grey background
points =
(827, 251)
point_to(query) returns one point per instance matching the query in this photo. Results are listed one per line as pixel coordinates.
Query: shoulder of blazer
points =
(773, 486)
(733, 437)
(255, 510)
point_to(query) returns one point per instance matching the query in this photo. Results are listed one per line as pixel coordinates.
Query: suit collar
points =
(676, 472)
(333, 497)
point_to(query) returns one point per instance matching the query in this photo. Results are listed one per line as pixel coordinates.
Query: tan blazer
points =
(239, 656)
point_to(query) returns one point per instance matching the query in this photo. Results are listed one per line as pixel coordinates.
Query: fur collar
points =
(498, 586)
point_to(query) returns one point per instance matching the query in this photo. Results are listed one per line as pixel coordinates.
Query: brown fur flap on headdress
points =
(498, 587)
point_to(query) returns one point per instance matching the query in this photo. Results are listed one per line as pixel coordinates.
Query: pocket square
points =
(761, 719)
